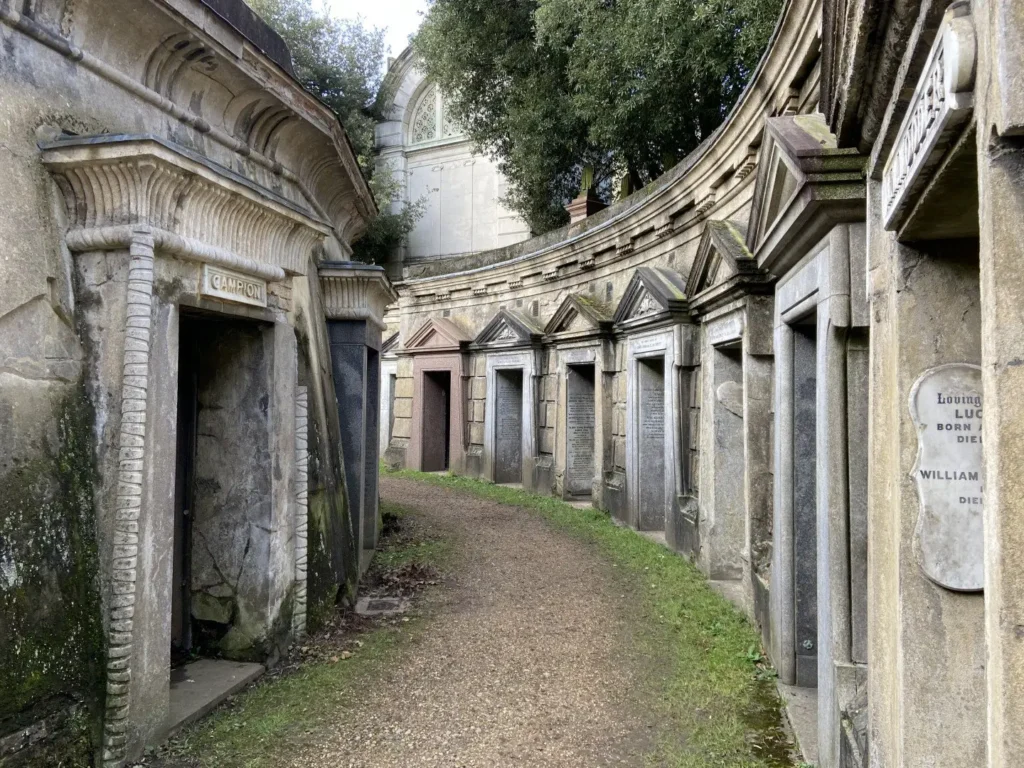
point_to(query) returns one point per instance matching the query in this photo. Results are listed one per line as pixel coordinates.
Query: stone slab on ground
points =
(198, 687)
(376, 605)
(802, 713)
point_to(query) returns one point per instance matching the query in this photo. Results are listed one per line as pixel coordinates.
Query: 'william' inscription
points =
(946, 407)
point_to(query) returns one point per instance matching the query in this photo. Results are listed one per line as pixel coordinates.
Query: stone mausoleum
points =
(776, 358)
(189, 368)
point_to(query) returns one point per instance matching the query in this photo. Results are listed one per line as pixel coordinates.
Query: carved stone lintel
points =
(941, 105)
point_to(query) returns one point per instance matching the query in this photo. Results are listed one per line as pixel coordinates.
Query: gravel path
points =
(524, 661)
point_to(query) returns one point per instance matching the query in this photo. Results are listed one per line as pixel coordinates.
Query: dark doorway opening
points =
(184, 493)
(223, 532)
(508, 425)
(437, 401)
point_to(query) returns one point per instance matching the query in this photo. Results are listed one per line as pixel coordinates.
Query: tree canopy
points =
(625, 87)
(342, 62)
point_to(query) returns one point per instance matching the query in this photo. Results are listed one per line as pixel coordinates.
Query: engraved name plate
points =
(232, 286)
(945, 404)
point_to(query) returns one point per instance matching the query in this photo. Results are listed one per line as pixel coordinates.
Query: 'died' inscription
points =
(945, 404)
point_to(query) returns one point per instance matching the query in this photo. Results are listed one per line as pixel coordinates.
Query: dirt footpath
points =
(525, 660)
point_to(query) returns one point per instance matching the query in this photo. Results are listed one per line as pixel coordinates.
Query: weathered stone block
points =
(403, 388)
(403, 408)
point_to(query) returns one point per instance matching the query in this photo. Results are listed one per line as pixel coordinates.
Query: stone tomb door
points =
(805, 515)
(580, 417)
(223, 499)
(437, 402)
(508, 425)
(651, 443)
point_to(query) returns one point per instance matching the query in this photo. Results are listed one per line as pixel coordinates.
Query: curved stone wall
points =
(659, 225)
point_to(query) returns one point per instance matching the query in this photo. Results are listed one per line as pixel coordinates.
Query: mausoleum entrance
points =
(223, 500)
(804, 462)
(437, 401)
(580, 421)
(508, 425)
(651, 443)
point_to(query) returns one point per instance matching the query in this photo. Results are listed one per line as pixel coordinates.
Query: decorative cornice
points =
(118, 181)
(353, 291)
(318, 159)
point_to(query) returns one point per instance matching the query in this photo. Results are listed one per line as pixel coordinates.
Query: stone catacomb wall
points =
(760, 324)
(164, 356)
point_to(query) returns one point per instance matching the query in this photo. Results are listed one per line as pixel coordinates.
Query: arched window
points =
(430, 120)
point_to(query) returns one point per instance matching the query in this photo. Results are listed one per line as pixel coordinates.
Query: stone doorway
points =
(805, 517)
(437, 397)
(223, 511)
(580, 420)
(651, 443)
(724, 537)
(223, 495)
(508, 425)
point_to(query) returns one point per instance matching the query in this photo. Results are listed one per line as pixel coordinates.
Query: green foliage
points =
(624, 86)
(342, 62)
(391, 226)
(339, 61)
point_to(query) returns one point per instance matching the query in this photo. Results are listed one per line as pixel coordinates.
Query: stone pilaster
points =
(131, 467)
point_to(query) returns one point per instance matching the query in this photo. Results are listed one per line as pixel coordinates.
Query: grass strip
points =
(717, 689)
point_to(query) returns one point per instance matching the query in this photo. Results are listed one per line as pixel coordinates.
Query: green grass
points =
(273, 720)
(709, 677)
(715, 687)
(419, 549)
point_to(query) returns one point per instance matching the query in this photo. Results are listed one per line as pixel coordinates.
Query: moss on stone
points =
(51, 636)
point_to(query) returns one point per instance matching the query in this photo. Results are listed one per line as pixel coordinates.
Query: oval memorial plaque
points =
(945, 404)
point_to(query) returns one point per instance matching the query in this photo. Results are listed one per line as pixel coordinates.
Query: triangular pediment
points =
(721, 256)
(653, 294)
(437, 334)
(800, 172)
(577, 315)
(390, 343)
(508, 329)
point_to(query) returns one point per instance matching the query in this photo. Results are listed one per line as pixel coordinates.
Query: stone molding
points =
(354, 291)
(301, 510)
(198, 208)
(654, 295)
(578, 318)
(805, 186)
(506, 330)
(128, 504)
(323, 169)
(436, 335)
(723, 270)
(943, 102)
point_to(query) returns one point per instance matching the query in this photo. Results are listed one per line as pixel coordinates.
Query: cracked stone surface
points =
(525, 659)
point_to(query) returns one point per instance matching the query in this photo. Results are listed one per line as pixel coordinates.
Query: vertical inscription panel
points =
(945, 404)
(651, 420)
(579, 431)
(508, 426)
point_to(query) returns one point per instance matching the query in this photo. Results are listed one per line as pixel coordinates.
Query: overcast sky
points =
(400, 17)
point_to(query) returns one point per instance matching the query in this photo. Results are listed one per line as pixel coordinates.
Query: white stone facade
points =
(462, 189)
